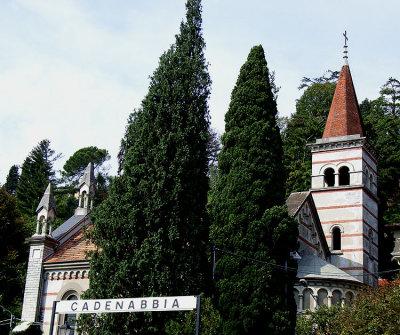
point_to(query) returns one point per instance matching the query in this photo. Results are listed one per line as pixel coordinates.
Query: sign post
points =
(149, 304)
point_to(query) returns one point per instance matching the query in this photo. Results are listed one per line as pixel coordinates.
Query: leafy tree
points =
(210, 321)
(12, 255)
(152, 231)
(12, 180)
(390, 92)
(248, 220)
(328, 77)
(304, 127)
(318, 322)
(75, 166)
(375, 311)
(37, 171)
(382, 129)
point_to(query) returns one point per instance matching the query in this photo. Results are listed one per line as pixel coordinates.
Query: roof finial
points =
(345, 57)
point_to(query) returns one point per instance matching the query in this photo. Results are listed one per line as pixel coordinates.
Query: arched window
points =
(329, 177)
(69, 320)
(336, 239)
(349, 298)
(322, 297)
(344, 176)
(336, 297)
(308, 299)
(84, 200)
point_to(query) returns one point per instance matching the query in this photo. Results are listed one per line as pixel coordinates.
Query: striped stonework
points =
(348, 205)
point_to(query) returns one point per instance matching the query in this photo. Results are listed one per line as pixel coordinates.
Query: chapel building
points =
(337, 217)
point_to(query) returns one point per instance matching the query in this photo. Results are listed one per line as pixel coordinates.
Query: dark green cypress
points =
(248, 217)
(12, 180)
(152, 231)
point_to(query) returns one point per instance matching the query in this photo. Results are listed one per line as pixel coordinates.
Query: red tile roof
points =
(74, 249)
(344, 116)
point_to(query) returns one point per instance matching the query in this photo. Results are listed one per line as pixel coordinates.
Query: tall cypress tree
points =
(249, 221)
(152, 231)
(12, 180)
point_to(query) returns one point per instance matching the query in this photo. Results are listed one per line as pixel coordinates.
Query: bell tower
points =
(41, 245)
(344, 185)
(87, 187)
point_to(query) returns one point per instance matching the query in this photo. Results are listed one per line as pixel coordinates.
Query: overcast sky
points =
(72, 71)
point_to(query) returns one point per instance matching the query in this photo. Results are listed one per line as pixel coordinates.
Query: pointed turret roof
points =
(47, 202)
(344, 116)
(88, 176)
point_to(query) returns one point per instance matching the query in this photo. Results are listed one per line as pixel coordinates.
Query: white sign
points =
(152, 304)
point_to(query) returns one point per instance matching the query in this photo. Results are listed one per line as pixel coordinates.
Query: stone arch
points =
(329, 177)
(349, 298)
(337, 297)
(344, 175)
(308, 299)
(322, 297)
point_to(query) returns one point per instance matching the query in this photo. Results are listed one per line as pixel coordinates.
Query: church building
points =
(337, 217)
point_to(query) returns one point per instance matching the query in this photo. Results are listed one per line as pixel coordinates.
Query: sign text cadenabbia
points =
(152, 304)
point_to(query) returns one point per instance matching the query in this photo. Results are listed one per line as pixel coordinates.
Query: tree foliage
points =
(12, 254)
(304, 127)
(75, 166)
(152, 231)
(245, 207)
(12, 179)
(36, 173)
(375, 311)
(210, 321)
(328, 77)
(318, 322)
(390, 92)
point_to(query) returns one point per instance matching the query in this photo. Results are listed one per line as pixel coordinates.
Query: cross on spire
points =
(345, 57)
(345, 38)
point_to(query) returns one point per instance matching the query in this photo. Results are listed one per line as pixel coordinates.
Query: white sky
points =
(72, 71)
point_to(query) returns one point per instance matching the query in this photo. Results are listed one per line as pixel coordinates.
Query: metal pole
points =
(53, 316)
(213, 261)
(198, 315)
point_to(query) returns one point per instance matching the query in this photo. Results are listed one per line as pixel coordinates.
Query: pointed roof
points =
(88, 176)
(344, 116)
(47, 202)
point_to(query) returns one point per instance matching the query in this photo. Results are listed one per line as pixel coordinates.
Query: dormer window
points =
(329, 177)
(344, 176)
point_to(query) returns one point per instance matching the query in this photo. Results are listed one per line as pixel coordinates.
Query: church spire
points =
(46, 211)
(344, 116)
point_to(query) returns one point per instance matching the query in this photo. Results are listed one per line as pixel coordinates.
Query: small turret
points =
(46, 212)
(87, 188)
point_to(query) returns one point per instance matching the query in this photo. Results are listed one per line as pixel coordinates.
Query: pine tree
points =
(152, 231)
(12, 180)
(36, 173)
(248, 217)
